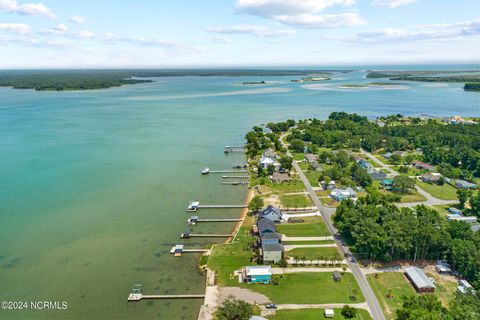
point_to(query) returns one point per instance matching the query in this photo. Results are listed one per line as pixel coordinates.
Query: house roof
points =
(272, 247)
(379, 175)
(258, 271)
(265, 224)
(270, 153)
(310, 157)
(422, 165)
(465, 184)
(270, 210)
(266, 160)
(280, 177)
(455, 211)
(273, 235)
(419, 278)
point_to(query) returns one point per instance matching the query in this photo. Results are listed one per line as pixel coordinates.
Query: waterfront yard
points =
(325, 253)
(295, 201)
(445, 192)
(287, 187)
(394, 283)
(310, 287)
(315, 314)
(311, 227)
(309, 242)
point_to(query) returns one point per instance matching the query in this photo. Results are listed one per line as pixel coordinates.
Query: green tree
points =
(403, 183)
(423, 307)
(233, 309)
(463, 196)
(395, 158)
(475, 204)
(465, 306)
(297, 145)
(403, 169)
(286, 162)
(256, 204)
(349, 312)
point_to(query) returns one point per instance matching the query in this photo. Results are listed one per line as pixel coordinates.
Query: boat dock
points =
(205, 171)
(235, 177)
(194, 220)
(195, 205)
(136, 295)
(187, 234)
(235, 183)
(229, 149)
(178, 249)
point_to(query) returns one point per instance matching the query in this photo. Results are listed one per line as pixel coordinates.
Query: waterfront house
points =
(278, 177)
(271, 238)
(265, 226)
(342, 194)
(422, 166)
(419, 280)
(272, 253)
(271, 213)
(266, 161)
(431, 177)
(258, 274)
(270, 153)
(454, 210)
(462, 184)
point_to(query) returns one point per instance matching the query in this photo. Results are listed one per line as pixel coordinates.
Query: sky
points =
(225, 33)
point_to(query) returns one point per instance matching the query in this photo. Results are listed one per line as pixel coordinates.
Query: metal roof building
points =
(419, 279)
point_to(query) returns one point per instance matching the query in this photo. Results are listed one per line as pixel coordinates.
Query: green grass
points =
(310, 287)
(295, 201)
(310, 228)
(312, 177)
(323, 193)
(329, 202)
(315, 253)
(309, 242)
(226, 258)
(315, 314)
(444, 288)
(395, 283)
(291, 186)
(413, 196)
(411, 171)
(445, 192)
(298, 156)
(442, 209)
(304, 166)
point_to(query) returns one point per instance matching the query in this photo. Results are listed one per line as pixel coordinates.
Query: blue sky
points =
(193, 33)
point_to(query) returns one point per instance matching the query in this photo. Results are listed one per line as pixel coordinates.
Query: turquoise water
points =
(94, 184)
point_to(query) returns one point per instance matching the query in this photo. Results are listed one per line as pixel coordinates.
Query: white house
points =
(342, 194)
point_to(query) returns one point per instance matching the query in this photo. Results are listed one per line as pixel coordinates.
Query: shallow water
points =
(94, 184)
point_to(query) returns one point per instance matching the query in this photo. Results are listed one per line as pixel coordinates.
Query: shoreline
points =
(244, 214)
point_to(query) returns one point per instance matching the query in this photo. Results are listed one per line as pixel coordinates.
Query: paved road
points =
(372, 301)
(431, 200)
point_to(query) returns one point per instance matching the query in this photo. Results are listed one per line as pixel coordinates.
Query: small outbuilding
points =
(337, 276)
(419, 280)
(329, 313)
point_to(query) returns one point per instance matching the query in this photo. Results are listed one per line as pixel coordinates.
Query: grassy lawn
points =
(226, 258)
(298, 156)
(413, 196)
(442, 209)
(323, 193)
(394, 282)
(312, 227)
(445, 287)
(295, 201)
(329, 202)
(309, 242)
(315, 253)
(445, 192)
(304, 166)
(287, 187)
(411, 171)
(310, 287)
(315, 314)
(312, 177)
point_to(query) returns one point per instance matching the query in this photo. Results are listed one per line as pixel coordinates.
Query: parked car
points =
(271, 306)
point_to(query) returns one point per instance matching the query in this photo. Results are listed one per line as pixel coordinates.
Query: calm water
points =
(94, 184)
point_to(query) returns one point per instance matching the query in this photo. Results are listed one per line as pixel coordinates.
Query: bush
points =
(233, 309)
(349, 312)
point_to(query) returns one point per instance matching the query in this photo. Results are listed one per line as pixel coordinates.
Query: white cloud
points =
(250, 29)
(302, 13)
(392, 3)
(172, 46)
(62, 30)
(29, 9)
(417, 33)
(79, 20)
(223, 40)
(15, 27)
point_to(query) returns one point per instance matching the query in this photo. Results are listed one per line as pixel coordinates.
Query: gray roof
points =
(272, 247)
(378, 175)
(465, 184)
(265, 224)
(270, 210)
(274, 235)
(419, 278)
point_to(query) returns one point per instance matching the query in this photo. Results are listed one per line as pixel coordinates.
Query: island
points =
(340, 206)
(311, 79)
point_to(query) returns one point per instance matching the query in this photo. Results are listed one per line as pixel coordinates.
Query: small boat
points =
(205, 171)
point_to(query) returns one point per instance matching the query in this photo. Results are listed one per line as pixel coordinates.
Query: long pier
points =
(235, 183)
(229, 149)
(228, 171)
(186, 235)
(195, 205)
(235, 177)
(178, 249)
(139, 296)
(194, 220)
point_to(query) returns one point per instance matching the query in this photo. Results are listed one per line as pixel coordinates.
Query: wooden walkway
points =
(235, 183)
(235, 177)
(221, 206)
(194, 221)
(139, 296)
(228, 171)
(186, 235)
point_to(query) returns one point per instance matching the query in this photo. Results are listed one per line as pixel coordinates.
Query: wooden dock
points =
(235, 177)
(186, 235)
(229, 149)
(221, 206)
(139, 296)
(235, 183)
(228, 171)
(178, 249)
(194, 220)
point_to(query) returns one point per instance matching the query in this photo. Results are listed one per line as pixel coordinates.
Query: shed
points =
(337, 276)
(464, 286)
(419, 280)
(454, 210)
(329, 313)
